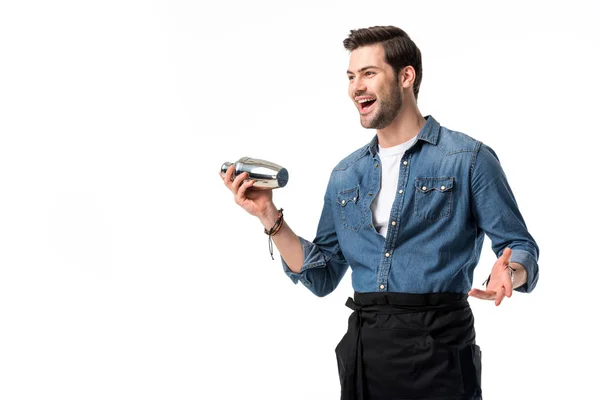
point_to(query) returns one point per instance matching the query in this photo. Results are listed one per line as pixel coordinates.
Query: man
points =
(408, 213)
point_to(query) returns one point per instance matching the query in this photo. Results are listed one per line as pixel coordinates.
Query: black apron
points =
(402, 346)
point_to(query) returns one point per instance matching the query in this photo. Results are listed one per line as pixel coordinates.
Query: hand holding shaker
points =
(267, 175)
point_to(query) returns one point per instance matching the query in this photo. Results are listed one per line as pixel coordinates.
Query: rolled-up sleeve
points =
(324, 264)
(495, 209)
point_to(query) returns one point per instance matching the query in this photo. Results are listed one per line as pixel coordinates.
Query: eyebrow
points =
(363, 68)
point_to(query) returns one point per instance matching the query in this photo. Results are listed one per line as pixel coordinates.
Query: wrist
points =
(520, 274)
(269, 216)
(511, 272)
(273, 230)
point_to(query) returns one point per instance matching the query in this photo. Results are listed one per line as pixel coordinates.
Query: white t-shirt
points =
(381, 206)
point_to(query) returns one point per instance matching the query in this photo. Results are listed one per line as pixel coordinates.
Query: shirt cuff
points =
(528, 261)
(312, 259)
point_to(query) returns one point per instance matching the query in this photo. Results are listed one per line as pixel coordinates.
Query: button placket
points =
(393, 233)
(375, 184)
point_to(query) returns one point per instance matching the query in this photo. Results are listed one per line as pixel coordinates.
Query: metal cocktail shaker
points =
(267, 175)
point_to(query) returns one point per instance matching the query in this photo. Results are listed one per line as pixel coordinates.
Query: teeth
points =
(364, 101)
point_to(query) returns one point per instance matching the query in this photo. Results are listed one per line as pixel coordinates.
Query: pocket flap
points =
(348, 196)
(425, 185)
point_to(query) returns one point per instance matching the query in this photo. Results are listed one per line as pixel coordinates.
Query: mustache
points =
(356, 94)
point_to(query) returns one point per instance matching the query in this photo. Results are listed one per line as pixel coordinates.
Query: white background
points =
(128, 272)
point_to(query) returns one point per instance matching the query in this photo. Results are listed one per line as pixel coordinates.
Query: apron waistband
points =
(386, 303)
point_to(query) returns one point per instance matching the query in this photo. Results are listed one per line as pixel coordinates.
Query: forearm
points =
(287, 242)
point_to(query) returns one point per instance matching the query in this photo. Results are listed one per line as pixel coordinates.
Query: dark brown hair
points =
(399, 49)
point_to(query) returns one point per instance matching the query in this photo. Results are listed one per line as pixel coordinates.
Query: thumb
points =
(506, 255)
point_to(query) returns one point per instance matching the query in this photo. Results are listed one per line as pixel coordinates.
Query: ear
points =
(406, 77)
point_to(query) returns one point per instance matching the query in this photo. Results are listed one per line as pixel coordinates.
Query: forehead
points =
(367, 55)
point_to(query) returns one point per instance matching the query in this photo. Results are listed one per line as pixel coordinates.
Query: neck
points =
(405, 126)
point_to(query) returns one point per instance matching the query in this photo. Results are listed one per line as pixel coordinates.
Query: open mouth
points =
(365, 105)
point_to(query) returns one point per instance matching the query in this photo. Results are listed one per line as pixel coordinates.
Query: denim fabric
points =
(451, 192)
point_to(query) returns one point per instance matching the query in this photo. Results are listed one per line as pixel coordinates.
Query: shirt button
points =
(376, 165)
(387, 254)
(443, 188)
(400, 191)
(405, 162)
(424, 188)
(393, 223)
(381, 286)
(343, 201)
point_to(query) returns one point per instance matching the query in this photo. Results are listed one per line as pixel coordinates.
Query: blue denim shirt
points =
(451, 192)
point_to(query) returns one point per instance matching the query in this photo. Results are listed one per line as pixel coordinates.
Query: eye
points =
(350, 77)
(369, 73)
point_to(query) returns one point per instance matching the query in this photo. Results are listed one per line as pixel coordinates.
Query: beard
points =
(388, 108)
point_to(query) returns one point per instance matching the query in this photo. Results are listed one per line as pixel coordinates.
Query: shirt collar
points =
(429, 133)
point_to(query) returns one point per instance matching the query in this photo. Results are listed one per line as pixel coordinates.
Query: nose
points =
(357, 86)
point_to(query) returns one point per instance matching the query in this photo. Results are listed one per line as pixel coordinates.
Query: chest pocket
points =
(351, 208)
(433, 198)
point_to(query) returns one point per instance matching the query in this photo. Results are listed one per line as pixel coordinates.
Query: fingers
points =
(483, 294)
(508, 284)
(238, 185)
(500, 295)
(237, 182)
(500, 281)
(227, 179)
(497, 296)
(241, 194)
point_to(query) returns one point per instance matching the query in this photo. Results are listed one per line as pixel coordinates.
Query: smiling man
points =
(407, 213)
